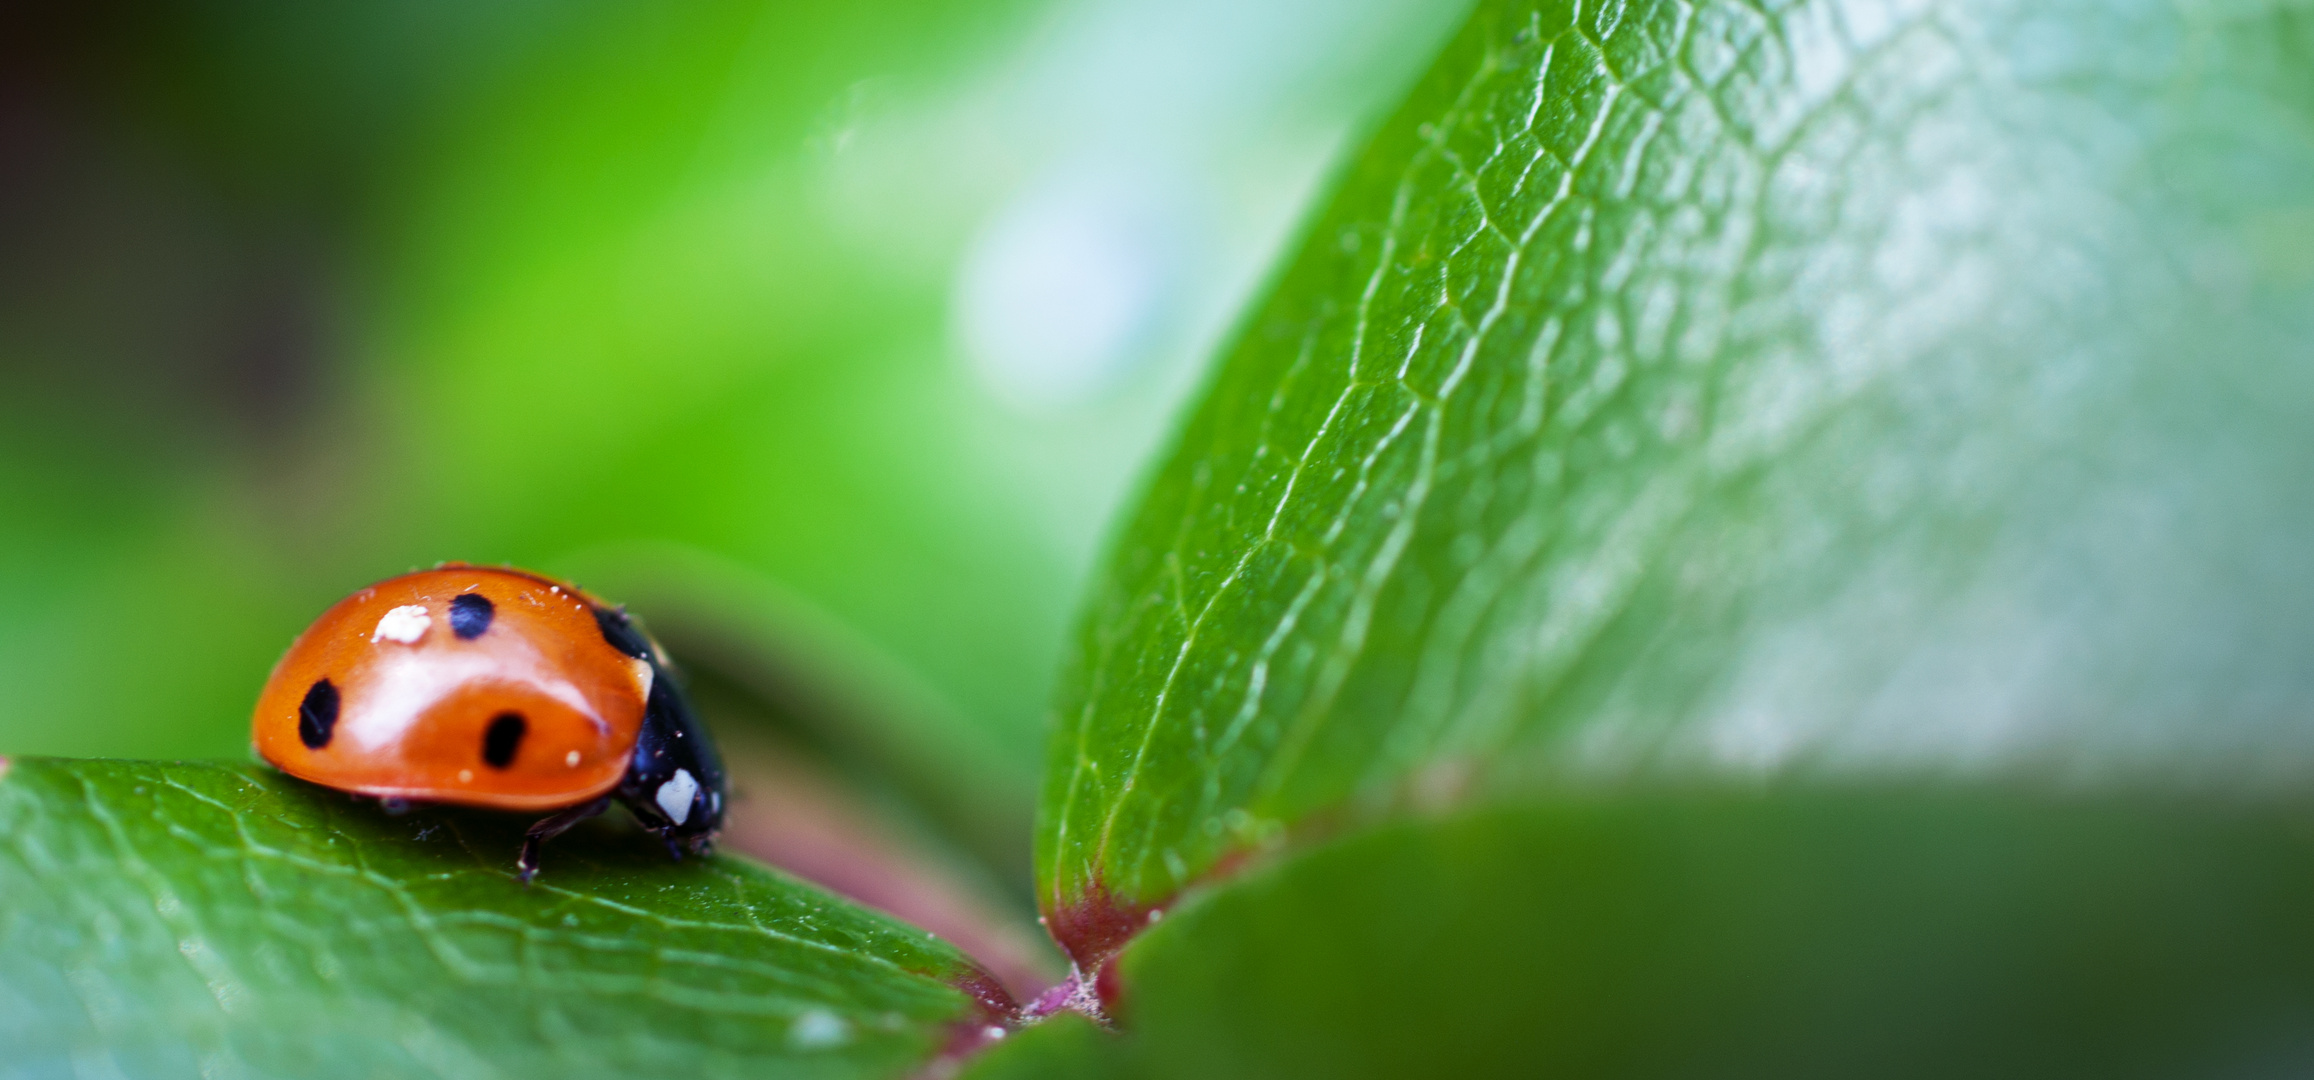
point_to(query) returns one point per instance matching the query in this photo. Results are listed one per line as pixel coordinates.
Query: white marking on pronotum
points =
(405, 624)
(571, 759)
(675, 796)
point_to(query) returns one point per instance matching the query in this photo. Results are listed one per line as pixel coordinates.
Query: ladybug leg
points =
(526, 865)
(700, 844)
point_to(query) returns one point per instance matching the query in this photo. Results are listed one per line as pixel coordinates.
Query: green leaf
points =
(182, 918)
(1916, 932)
(1677, 391)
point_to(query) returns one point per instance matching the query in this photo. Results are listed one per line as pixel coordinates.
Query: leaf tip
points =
(993, 1017)
(1091, 928)
(986, 991)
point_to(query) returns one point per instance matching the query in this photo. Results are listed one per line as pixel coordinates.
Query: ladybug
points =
(496, 688)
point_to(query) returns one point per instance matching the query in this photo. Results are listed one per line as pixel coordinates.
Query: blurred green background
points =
(827, 336)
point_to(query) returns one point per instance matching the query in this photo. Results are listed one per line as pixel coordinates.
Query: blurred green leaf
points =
(1905, 933)
(1837, 389)
(173, 919)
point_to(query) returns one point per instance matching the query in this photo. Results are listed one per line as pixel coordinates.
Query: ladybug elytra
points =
(493, 688)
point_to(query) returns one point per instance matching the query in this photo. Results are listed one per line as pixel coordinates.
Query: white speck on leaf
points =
(818, 1029)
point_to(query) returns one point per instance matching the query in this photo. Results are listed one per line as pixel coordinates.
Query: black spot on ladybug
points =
(317, 715)
(470, 615)
(502, 739)
(621, 633)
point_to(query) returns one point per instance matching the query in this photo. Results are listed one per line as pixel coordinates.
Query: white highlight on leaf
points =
(674, 796)
(818, 1029)
(405, 624)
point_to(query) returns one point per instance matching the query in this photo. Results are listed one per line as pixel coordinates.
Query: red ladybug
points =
(495, 688)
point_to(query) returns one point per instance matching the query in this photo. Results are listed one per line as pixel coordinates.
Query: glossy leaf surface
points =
(162, 920)
(1838, 388)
